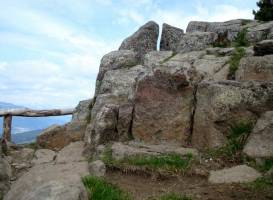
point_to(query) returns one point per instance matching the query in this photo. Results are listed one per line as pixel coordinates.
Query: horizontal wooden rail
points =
(36, 113)
(7, 114)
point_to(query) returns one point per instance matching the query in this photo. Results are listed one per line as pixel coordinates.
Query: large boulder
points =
(225, 30)
(264, 47)
(116, 60)
(222, 104)
(112, 110)
(196, 41)
(260, 142)
(255, 68)
(142, 41)
(170, 37)
(56, 137)
(163, 106)
(82, 111)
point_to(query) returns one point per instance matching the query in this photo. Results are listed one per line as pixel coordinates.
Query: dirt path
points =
(143, 188)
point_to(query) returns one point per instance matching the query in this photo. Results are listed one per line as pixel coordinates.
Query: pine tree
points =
(266, 10)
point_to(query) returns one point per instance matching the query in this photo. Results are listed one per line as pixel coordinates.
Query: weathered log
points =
(36, 113)
(7, 127)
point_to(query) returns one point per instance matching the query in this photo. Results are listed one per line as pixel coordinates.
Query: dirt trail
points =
(143, 188)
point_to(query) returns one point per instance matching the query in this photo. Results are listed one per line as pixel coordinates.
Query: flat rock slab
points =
(120, 151)
(238, 174)
(42, 156)
(56, 180)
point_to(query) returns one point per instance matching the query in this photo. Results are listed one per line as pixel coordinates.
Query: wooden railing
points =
(7, 114)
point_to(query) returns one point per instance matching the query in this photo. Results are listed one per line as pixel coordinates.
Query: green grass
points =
(263, 184)
(172, 196)
(168, 162)
(99, 189)
(266, 165)
(232, 151)
(235, 59)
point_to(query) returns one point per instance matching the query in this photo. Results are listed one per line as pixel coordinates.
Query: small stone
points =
(97, 168)
(238, 174)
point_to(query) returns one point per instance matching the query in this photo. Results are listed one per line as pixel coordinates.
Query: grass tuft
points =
(172, 196)
(99, 189)
(167, 162)
(235, 59)
(232, 151)
(263, 184)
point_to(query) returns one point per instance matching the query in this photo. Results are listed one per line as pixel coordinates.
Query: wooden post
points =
(7, 127)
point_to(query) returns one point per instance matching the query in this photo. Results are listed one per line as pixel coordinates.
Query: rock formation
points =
(178, 100)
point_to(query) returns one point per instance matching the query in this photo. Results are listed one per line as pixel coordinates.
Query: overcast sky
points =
(50, 50)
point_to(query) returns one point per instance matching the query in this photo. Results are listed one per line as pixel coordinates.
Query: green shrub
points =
(266, 10)
(99, 189)
(173, 196)
(235, 59)
(241, 40)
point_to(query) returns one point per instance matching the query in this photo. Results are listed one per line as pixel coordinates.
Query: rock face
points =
(259, 32)
(238, 174)
(196, 41)
(142, 41)
(58, 181)
(164, 99)
(5, 175)
(82, 111)
(170, 37)
(255, 68)
(56, 137)
(97, 168)
(226, 30)
(260, 143)
(264, 47)
(225, 103)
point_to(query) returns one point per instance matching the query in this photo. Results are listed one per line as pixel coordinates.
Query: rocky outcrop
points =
(56, 180)
(82, 111)
(196, 41)
(260, 142)
(238, 174)
(255, 68)
(225, 30)
(170, 37)
(264, 47)
(259, 32)
(56, 137)
(142, 41)
(221, 104)
(97, 168)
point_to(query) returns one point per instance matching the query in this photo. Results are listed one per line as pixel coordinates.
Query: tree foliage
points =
(265, 13)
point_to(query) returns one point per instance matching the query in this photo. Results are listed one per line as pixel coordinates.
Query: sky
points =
(50, 50)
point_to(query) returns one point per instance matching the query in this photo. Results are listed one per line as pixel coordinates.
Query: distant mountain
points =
(29, 127)
(26, 137)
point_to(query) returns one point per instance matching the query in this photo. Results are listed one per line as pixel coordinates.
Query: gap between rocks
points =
(195, 88)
